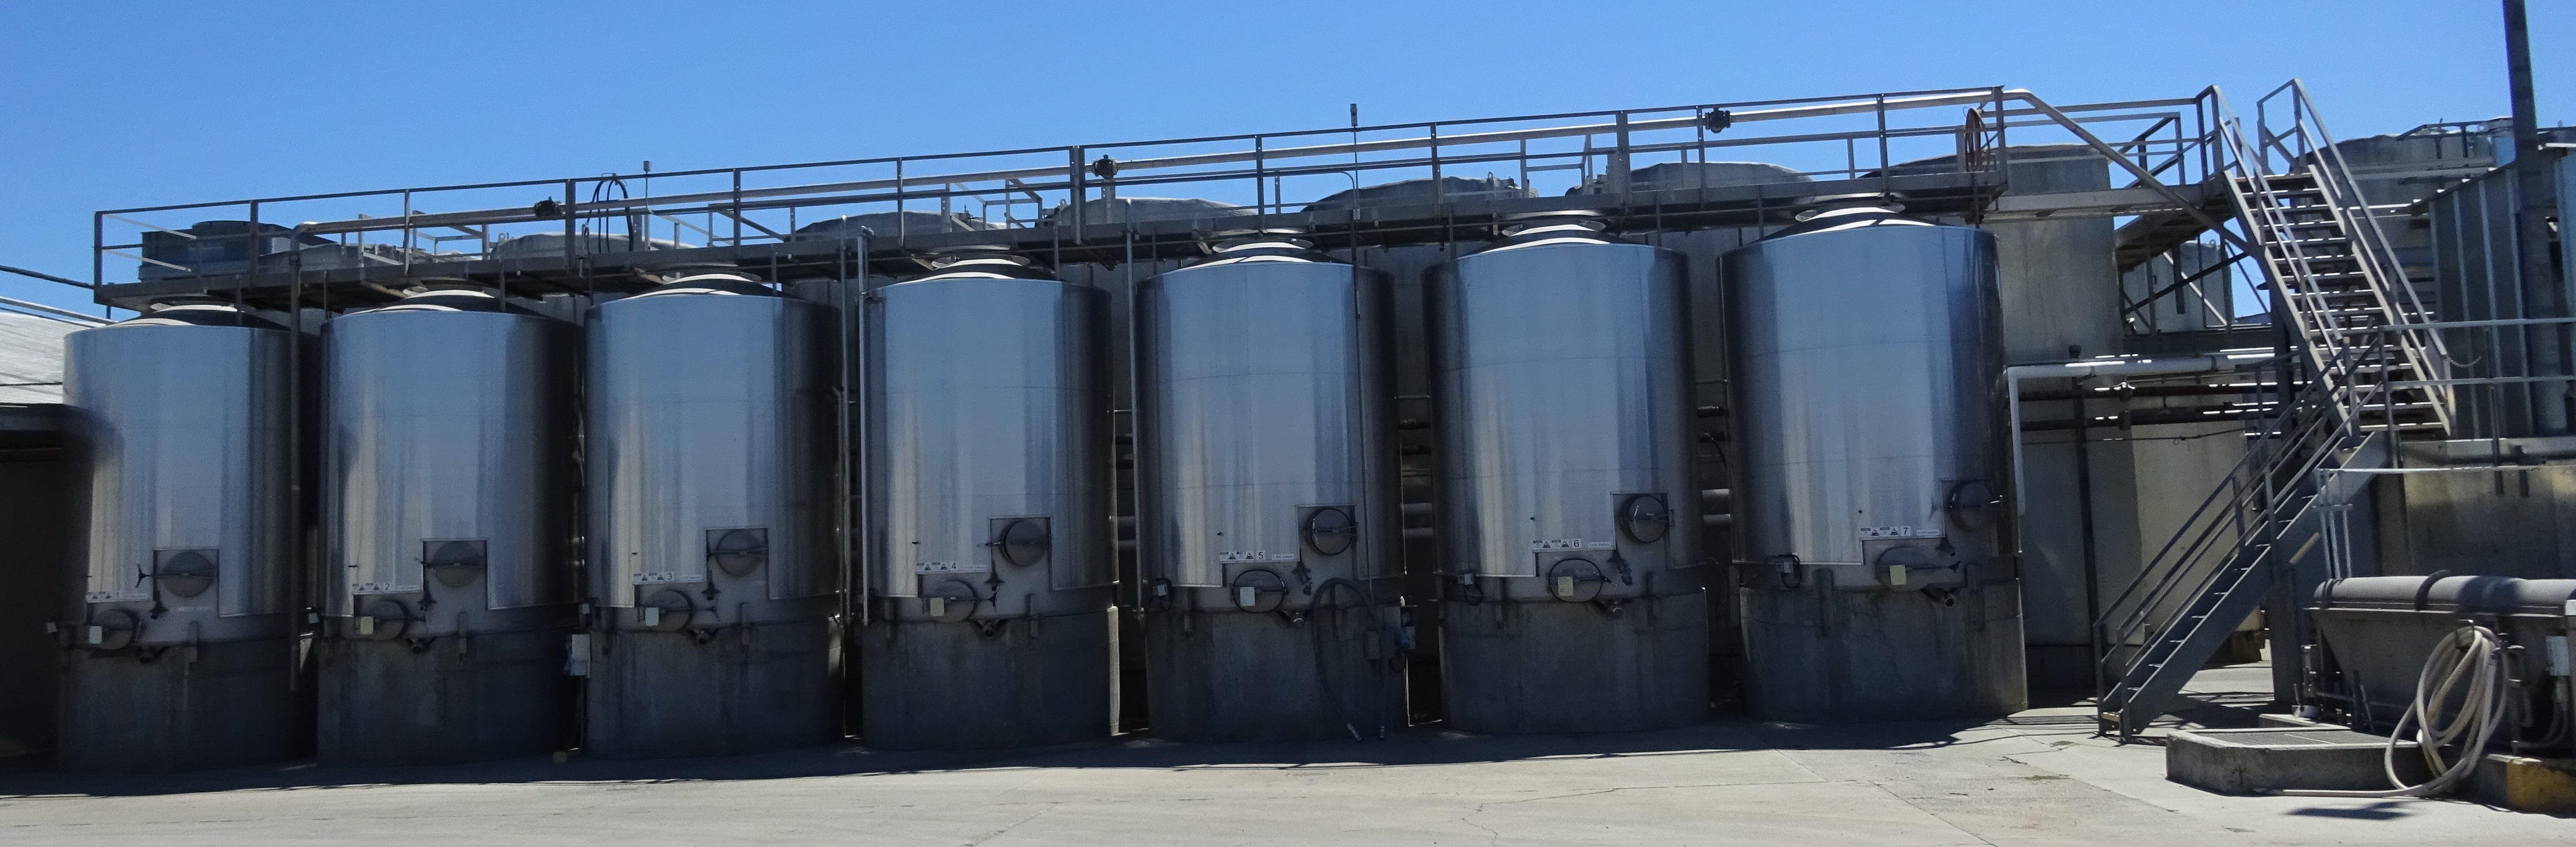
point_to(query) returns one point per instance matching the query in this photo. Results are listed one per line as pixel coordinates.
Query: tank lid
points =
(1854, 216)
(982, 264)
(1671, 176)
(718, 282)
(890, 224)
(198, 310)
(1550, 228)
(1264, 247)
(449, 295)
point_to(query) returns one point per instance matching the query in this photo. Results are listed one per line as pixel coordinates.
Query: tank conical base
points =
(1239, 676)
(208, 706)
(948, 686)
(1547, 667)
(457, 699)
(742, 690)
(1832, 656)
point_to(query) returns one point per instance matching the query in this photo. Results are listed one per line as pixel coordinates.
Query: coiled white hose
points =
(2470, 663)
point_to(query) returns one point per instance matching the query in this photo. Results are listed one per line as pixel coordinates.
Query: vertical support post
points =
(2540, 285)
(1885, 172)
(97, 251)
(2002, 121)
(1439, 191)
(1618, 170)
(1075, 203)
(571, 248)
(1523, 161)
(849, 299)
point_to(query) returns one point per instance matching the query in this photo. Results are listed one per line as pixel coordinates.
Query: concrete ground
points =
(2034, 778)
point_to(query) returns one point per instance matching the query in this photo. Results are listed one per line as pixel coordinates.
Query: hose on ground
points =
(2467, 664)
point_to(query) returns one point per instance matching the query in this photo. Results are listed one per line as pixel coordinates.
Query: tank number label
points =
(382, 588)
(114, 596)
(950, 567)
(1870, 532)
(1228, 557)
(655, 577)
(1543, 545)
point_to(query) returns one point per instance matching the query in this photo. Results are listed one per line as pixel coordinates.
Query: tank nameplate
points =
(1228, 557)
(658, 577)
(1543, 545)
(136, 591)
(951, 567)
(1877, 532)
(381, 587)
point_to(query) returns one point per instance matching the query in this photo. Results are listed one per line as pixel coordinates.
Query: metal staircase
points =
(2369, 371)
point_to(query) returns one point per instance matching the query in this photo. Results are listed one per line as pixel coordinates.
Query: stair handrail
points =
(2341, 355)
(2275, 481)
(2294, 433)
(2385, 278)
(2291, 277)
(2291, 444)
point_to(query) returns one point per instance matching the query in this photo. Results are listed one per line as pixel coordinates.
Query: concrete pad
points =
(2272, 759)
(2041, 780)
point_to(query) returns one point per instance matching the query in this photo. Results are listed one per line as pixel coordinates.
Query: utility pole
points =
(2540, 285)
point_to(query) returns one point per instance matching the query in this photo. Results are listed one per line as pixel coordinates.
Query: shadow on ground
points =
(1423, 745)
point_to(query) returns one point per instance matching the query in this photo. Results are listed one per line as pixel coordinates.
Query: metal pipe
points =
(43, 311)
(2083, 368)
(2088, 549)
(2155, 417)
(45, 276)
(2127, 391)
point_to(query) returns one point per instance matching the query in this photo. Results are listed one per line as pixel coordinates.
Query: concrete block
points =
(2261, 761)
(2525, 784)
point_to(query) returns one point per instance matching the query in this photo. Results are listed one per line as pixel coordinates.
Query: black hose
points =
(1323, 669)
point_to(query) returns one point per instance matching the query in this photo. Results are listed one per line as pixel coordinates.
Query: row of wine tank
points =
(685, 594)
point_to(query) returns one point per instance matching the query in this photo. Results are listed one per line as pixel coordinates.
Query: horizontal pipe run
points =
(2156, 417)
(2122, 392)
(51, 313)
(44, 276)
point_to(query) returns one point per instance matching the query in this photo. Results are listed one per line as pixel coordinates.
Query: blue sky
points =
(109, 104)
